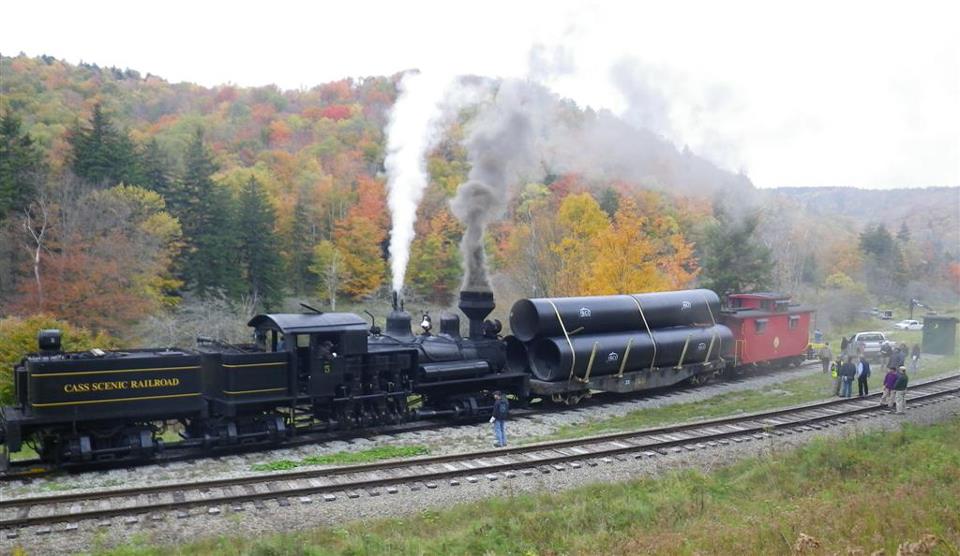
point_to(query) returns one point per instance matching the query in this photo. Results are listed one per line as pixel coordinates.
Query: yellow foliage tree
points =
(18, 337)
(581, 221)
(638, 254)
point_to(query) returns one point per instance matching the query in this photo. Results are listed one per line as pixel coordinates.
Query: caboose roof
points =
(294, 323)
(758, 313)
(759, 295)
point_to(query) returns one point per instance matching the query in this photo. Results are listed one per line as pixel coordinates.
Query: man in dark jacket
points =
(500, 410)
(847, 372)
(899, 357)
(863, 373)
(900, 390)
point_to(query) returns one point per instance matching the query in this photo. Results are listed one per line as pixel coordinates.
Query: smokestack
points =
(398, 321)
(476, 305)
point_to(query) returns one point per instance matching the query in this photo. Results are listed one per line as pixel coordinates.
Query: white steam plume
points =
(413, 130)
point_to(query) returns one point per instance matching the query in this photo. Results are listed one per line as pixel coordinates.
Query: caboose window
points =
(794, 321)
(761, 325)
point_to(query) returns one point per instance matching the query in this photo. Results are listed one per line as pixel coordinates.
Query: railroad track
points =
(373, 479)
(34, 468)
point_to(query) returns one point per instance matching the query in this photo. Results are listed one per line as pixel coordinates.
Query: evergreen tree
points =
(205, 211)
(301, 242)
(155, 169)
(258, 245)
(884, 268)
(101, 154)
(876, 241)
(214, 263)
(733, 259)
(903, 235)
(21, 166)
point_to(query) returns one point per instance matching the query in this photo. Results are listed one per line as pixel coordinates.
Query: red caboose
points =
(767, 329)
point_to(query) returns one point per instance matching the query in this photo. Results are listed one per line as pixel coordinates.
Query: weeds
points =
(345, 458)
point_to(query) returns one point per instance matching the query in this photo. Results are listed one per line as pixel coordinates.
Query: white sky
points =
(862, 94)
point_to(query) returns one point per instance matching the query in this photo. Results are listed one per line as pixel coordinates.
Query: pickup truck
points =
(872, 343)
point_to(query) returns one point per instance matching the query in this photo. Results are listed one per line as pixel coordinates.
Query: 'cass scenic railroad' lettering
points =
(120, 385)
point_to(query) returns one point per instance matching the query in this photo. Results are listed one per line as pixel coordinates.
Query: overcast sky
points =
(793, 94)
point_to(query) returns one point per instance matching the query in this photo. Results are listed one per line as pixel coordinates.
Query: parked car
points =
(908, 325)
(872, 341)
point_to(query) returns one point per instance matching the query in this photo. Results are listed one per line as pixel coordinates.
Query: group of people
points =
(848, 368)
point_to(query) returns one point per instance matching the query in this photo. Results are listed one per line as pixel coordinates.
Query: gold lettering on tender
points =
(76, 388)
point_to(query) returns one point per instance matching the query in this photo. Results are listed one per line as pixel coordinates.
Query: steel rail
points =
(648, 442)
(430, 460)
(173, 452)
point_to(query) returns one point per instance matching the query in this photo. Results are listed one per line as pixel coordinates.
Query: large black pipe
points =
(538, 318)
(551, 358)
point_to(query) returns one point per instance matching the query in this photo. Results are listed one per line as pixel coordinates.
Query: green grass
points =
(852, 496)
(807, 389)
(345, 458)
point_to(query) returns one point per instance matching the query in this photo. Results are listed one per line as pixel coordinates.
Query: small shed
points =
(940, 335)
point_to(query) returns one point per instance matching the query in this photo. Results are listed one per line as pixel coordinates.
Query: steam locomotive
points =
(321, 371)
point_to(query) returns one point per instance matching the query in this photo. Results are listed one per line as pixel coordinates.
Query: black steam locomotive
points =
(334, 371)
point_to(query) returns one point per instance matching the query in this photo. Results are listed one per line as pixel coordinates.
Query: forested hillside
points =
(126, 199)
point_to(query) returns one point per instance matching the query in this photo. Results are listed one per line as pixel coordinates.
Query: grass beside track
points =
(345, 458)
(815, 387)
(851, 496)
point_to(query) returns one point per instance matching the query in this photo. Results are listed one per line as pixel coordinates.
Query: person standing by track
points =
(900, 390)
(863, 374)
(915, 358)
(501, 408)
(826, 355)
(847, 372)
(889, 381)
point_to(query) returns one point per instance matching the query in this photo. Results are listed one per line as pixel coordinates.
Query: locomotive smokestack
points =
(476, 305)
(398, 321)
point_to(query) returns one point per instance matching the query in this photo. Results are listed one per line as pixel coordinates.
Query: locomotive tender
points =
(334, 371)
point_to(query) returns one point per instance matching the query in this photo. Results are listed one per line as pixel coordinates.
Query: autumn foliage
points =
(121, 195)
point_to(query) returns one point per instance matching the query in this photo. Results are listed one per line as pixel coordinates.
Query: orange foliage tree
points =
(359, 238)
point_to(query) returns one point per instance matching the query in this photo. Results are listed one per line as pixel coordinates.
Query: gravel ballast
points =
(443, 440)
